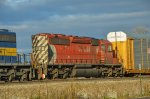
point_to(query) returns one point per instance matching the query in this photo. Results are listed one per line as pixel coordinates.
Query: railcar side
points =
(132, 52)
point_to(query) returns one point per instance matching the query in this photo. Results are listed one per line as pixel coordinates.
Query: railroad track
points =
(76, 80)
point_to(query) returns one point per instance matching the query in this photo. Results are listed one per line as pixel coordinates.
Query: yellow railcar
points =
(132, 52)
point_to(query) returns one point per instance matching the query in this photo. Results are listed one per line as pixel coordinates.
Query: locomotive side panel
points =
(71, 51)
(76, 54)
(8, 50)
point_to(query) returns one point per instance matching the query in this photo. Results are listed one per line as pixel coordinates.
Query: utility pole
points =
(116, 44)
(140, 68)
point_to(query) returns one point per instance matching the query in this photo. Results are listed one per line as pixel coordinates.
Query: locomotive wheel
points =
(21, 79)
(65, 75)
(9, 78)
(55, 74)
(29, 76)
(103, 75)
(110, 73)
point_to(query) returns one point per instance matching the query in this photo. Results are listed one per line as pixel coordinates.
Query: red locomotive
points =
(61, 56)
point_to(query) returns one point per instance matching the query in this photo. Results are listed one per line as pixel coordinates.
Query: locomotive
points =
(11, 66)
(66, 56)
(62, 56)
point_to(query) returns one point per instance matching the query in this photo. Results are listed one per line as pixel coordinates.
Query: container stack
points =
(8, 50)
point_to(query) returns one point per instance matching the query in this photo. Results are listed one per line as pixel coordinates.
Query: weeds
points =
(99, 89)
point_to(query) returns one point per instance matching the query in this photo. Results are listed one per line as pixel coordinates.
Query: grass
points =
(73, 89)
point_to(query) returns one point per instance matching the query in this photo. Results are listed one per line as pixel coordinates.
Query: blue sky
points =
(93, 18)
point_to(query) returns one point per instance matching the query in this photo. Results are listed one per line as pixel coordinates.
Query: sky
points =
(92, 18)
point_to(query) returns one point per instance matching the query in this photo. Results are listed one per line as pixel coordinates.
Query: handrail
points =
(75, 61)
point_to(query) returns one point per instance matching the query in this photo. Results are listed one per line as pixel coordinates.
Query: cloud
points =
(2, 1)
(102, 17)
(16, 4)
(79, 17)
(32, 10)
(78, 22)
(17, 1)
(23, 3)
(15, 27)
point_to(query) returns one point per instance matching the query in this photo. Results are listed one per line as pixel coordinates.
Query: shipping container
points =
(132, 51)
(8, 44)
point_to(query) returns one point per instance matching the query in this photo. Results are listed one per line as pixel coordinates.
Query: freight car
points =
(62, 56)
(133, 51)
(10, 62)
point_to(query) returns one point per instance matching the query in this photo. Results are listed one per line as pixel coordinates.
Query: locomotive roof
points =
(6, 31)
(55, 34)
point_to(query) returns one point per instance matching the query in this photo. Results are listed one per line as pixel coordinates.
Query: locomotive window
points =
(59, 41)
(109, 48)
(103, 47)
(8, 38)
